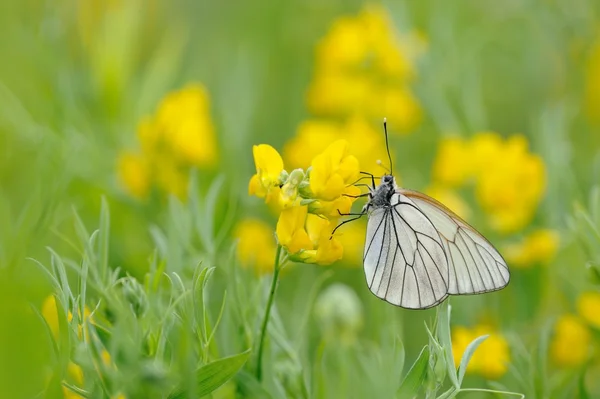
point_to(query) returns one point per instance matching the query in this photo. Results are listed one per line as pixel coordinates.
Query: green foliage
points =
(103, 294)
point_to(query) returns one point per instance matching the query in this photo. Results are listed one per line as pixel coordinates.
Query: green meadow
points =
(174, 177)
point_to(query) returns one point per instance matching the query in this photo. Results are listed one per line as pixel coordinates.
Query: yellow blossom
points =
(452, 164)
(327, 249)
(588, 307)
(364, 67)
(491, 358)
(256, 245)
(332, 171)
(313, 136)
(178, 137)
(269, 166)
(570, 345)
(340, 205)
(134, 174)
(74, 376)
(50, 313)
(291, 232)
(539, 247)
(183, 118)
(509, 180)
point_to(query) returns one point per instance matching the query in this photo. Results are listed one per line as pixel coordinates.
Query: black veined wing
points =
(418, 252)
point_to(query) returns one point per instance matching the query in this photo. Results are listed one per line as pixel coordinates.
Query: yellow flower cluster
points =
(361, 68)
(492, 357)
(572, 340)
(256, 245)
(509, 180)
(309, 204)
(178, 137)
(570, 345)
(539, 247)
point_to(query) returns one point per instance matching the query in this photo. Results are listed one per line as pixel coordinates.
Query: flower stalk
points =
(263, 330)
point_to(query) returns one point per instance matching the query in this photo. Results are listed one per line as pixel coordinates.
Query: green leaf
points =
(464, 362)
(103, 240)
(212, 375)
(416, 376)
(445, 340)
(250, 387)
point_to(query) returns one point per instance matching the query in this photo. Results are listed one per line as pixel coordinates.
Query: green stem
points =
(263, 330)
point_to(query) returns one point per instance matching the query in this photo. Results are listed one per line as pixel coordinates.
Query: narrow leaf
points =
(445, 340)
(212, 375)
(464, 361)
(416, 376)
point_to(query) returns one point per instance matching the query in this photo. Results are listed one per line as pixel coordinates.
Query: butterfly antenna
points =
(387, 144)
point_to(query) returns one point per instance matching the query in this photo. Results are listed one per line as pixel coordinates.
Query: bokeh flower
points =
(256, 245)
(365, 142)
(491, 358)
(539, 247)
(362, 66)
(588, 307)
(178, 137)
(339, 313)
(509, 180)
(571, 342)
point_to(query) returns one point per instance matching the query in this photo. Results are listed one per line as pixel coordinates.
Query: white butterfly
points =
(417, 251)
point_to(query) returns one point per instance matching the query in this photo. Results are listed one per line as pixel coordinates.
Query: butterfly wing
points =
(404, 259)
(475, 266)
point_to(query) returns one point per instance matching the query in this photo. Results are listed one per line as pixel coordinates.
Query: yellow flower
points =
(511, 185)
(327, 249)
(256, 245)
(269, 166)
(50, 313)
(452, 164)
(570, 345)
(183, 118)
(134, 173)
(74, 376)
(313, 136)
(588, 307)
(491, 358)
(340, 205)
(363, 67)
(291, 232)
(332, 171)
(509, 180)
(178, 137)
(537, 248)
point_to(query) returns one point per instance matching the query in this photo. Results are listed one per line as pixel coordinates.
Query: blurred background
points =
(493, 108)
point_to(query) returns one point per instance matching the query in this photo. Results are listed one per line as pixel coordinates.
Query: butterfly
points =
(418, 252)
